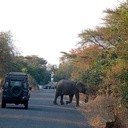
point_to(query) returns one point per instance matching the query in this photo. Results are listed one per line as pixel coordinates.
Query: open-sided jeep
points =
(15, 89)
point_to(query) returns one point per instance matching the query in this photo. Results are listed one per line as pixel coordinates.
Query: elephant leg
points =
(55, 99)
(70, 99)
(77, 99)
(61, 100)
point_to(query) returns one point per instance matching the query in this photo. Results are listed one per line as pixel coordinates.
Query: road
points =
(42, 113)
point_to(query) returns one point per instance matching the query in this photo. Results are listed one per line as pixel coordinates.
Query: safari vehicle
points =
(15, 89)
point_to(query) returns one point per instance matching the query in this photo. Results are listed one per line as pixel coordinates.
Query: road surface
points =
(42, 113)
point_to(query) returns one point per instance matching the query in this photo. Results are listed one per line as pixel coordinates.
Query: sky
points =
(47, 27)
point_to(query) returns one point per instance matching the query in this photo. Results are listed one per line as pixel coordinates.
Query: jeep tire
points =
(3, 104)
(26, 105)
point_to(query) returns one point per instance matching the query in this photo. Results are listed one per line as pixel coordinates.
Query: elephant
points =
(71, 88)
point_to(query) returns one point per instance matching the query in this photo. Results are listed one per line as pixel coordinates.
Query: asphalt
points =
(42, 113)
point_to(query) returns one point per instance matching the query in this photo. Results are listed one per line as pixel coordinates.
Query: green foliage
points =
(123, 77)
(18, 64)
(122, 50)
(7, 52)
(40, 75)
(32, 82)
(117, 21)
(91, 78)
(35, 61)
(34, 66)
(64, 72)
(124, 92)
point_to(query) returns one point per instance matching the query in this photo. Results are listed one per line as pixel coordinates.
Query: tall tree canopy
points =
(6, 52)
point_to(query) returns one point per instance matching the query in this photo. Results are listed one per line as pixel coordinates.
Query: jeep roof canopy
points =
(16, 75)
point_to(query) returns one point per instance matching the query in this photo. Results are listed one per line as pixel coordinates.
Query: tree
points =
(7, 52)
(63, 72)
(112, 38)
(36, 67)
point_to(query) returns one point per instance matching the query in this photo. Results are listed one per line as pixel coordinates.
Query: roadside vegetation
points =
(101, 60)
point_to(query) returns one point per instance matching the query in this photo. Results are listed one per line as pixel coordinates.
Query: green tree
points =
(7, 52)
(34, 66)
(37, 68)
(112, 38)
(63, 72)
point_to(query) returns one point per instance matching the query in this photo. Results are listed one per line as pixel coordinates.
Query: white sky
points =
(47, 27)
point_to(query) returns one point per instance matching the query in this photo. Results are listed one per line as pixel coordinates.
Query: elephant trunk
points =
(86, 98)
(84, 91)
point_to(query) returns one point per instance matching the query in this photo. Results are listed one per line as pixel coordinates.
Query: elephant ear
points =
(79, 86)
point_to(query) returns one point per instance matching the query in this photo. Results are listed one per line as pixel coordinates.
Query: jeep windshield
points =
(15, 83)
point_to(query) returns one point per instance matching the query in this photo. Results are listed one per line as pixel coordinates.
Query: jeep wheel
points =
(3, 104)
(26, 105)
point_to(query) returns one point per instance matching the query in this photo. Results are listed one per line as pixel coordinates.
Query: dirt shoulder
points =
(102, 112)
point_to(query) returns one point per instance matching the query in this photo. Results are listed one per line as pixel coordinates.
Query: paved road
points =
(42, 114)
